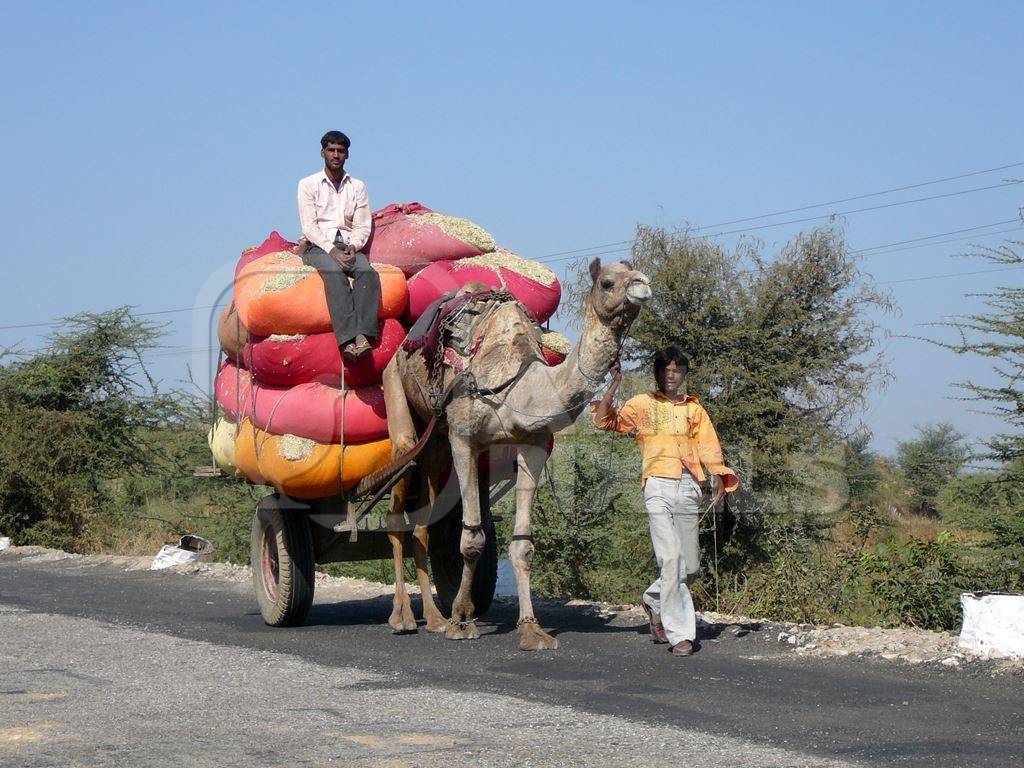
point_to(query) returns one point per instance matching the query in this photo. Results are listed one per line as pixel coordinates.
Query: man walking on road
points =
(334, 211)
(677, 440)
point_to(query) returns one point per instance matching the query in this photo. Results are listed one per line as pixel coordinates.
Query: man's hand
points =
(717, 490)
(343, 258)
(300, 247)
(616, 380)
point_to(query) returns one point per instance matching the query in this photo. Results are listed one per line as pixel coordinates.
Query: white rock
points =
(952, 661)
(993, 624)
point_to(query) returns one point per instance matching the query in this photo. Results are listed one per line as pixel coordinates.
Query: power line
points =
(876, 247)
(941, 234)
(862, 197)
(865, 209)
(569, 254)
(134, 314)
(949, 274)
(944, 242)
(809, 207)
(193, 350)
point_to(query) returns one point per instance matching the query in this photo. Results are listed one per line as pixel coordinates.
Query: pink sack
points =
(411, 236)
(233, 390)
(289, 360)
(308, 410)
(273, 244)
(529, 281)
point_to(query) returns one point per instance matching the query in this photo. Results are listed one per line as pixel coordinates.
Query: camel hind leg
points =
(433, 464)
(402, 432)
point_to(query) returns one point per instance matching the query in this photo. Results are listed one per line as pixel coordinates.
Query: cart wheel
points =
(281, 554)
(446, 566)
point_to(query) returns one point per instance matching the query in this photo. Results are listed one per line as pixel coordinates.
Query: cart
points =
(290, 537)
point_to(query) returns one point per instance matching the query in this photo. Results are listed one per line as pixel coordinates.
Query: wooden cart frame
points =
(290, 537)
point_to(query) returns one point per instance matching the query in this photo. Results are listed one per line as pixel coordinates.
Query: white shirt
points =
(325, 210)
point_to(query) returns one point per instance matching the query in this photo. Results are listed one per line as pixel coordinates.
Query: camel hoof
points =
(462, 630)
(436, 624)
(533, 638)
(401, 624)
(399, 627)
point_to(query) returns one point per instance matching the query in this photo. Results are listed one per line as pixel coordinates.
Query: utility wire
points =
(949, 274)
(134, 314)
(809, 207)
(173, 353)
(942, 234)
(867, 208)
(570, 254)
(872, 248)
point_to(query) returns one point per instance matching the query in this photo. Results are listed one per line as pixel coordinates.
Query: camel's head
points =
(618, 291)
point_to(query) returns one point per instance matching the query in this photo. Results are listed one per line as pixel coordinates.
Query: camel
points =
(536, 402)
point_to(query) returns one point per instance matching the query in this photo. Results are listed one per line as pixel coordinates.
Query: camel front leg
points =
(531, 463)
(471, 545)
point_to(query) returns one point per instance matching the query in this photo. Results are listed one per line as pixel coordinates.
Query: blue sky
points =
(146, 145)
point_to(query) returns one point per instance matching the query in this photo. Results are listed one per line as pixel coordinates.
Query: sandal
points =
(357, 348)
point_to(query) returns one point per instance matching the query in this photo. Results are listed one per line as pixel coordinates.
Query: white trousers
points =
(672, 511)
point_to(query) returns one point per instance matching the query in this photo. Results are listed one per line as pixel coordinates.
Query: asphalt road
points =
(343, 688)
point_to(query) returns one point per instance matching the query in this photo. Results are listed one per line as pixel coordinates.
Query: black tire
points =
(281, 555)
(446, 565)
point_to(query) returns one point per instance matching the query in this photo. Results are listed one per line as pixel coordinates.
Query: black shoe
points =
(657, 628)
(683, 648)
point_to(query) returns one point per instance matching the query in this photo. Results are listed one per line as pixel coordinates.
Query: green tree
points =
(997, 336)
(783, 350)
(861, 467)
(75, 419)
(929, 462)
(784, 355)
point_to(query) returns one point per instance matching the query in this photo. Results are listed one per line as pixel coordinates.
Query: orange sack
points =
(233, 336)
(279, 294)
(303, 468)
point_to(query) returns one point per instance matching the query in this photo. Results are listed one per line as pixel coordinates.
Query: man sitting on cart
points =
(334, 211)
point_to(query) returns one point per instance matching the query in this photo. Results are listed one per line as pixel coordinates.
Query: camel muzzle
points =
(639, 290)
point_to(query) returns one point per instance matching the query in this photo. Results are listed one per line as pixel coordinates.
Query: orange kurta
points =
(671, 436)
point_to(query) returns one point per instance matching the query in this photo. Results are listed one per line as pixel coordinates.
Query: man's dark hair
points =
(670, 354)
(335, 137)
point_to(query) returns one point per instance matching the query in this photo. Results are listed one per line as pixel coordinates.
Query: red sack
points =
(273, 244)
(529, 281)
(411, 236)
(308, 410)
(289, 360)
(555, 347)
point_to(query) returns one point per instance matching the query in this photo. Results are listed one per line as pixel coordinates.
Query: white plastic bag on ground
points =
(190, 549)
(5, 542)
(993, 624)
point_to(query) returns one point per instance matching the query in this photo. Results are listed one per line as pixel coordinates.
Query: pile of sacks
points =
(280, 385)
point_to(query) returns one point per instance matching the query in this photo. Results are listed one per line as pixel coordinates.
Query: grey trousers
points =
(353, 309)
(672, 511)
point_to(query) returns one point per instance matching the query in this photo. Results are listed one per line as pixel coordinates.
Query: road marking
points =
(366, 739)
(27, 734)
(31, 697)
(427, 740)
